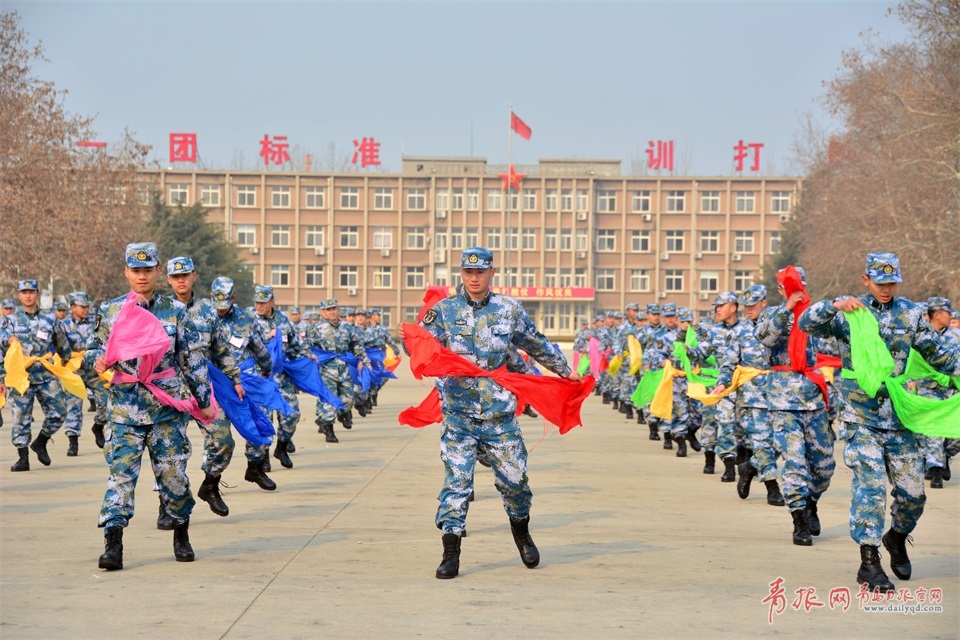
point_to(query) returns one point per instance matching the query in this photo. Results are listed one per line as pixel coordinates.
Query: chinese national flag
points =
(520, 126)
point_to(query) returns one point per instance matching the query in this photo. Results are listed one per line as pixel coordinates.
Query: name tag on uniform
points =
(43, 335)
(283, 337)
(236, 341)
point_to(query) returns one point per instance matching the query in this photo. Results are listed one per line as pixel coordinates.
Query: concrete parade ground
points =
(635, 543)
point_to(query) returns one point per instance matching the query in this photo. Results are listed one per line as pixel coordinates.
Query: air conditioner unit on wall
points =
(664, 256)
(439, 255)
(704, 295)
(581, 254)
(254, 250)
(698, 256)
(662, 295)
(351, 292)
(441, 213)
(581, 215)
(736, 257)
(320, 250)
(784, 217)
(385, 253)
(648, 217)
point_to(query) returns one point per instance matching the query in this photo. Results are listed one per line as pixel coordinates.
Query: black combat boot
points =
(681, 446)
(641, 418)
(801, 535)
(280, 453)
(290, 447)
(606, 398)
(112, 558)
(667, 440)
(450, 564)
(23, 464)
(93, 406)
(182, 550)
(73, 449)
(654, 432)
(165, 521)
(209, 492)
(373, 399)
(326, 428)
(362, 408)
(346, 419)
(774, 497)
(265, 464)
(936, 478)
(813, 520)
(256, 475)
(528, 411)
(871, 572)
(39, 446)
(98, 438)
(946, 471)
(896, 544)
(616, 403)
(741, 455)
(729, 471)
(521, 535)
(629, 411)
(710, 461)
(693, 439)
(747, 473)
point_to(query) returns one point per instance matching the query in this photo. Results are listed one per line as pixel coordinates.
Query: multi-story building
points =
(577, 238)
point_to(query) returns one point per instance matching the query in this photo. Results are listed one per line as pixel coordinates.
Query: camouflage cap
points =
(179, 266)
(583, 321)
(78, 298)
(330, 303)
(754, 295)
(351, 311)
(633, 305)
(367, 313)
(28, 285)
(684, 314)
(262, 293)
(641, 315)
(142, 254)
(294, 309)
(725, 297)
(60, 305)
(653, 308)
(375, 311)
(476, 258)
(8, 303)
(221, 293)
(883, 268)
(939, 303)
(669, 309)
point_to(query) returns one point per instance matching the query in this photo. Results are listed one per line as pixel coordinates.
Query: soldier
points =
(797, 411)
(606, 334)
(60, 309)
(380, 338)
(624, 383)
(138, 419)
(246, 344)
(652, 332)
(939, 313)
(78, 327)
(484, 328)
(218, 441)
(877, 446)
(298, 321)
(275, 324)
(6, 310)
(39, 334)
(677, 426)
(336, 336)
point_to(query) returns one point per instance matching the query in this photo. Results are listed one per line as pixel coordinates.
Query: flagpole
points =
(506, 235)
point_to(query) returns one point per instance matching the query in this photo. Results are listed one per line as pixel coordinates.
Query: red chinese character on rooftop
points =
(275, 151)
(660, 156)
(742, 153)
(776, 599)
(183, 147)
(368, 150)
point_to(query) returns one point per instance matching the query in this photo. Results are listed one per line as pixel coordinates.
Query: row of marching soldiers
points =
(769, 387)
(146, 386)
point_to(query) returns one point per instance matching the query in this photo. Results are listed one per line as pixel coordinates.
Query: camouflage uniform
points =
(377, 336)
(935, 449)
(78, 332)
(647, 337)
(661, 350)
(719, 420)
(606, 334)
(340, 337)
(624, 383)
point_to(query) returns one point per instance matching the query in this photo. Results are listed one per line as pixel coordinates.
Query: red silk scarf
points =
(558, 400)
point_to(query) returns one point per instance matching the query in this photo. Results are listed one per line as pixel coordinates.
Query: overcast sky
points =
(592, 80)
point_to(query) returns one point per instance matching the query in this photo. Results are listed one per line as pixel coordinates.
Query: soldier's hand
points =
(574, 376)
(100, 365)
(717, 390)
(239, 389)
(400, 331)
(3, 389)
(208, 412)
(795, 298)
(848, 304)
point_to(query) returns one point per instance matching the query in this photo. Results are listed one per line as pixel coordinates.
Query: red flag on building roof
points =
(520, 126)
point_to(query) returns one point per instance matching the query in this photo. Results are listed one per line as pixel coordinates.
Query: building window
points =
(178, 193)
(313, 276)
(710, 242)
(456, 240)
(709, 281)
(416, 199)
(415, 277)
(674, 241)
(246, 196)
(313, 235)
(210, 195)
(511, 238)
(579, 278)
(676, 201)
(550, 279)
(473, 237)
(529, 200)
(279, 275)
(774, 242)
(566, 240)
(383, 278)
(349, 237)
(442, 200)
(513, 202)
(606, 279)
(550, 200)
(441, 275)
(494, 200)
(640, 202)
(350, 197)
(246, 235)
(550, 241)
(743, 241)
(780, 201)
(315, 198)
(349, 277)
(566, 200)
(742, 280)
(639, 241)
(280, 197)
(582, 199)
(383, 238)
(746, 201)
(606, 201)
(382, 198)
(280, 235)
(549, 316)
(673, 280)
(710, 202)
(528, 277)
(529, 238)
(473, 199)
(581, 239)
(493, 238)
(440, 238)
(606, 240)
(640, 280)
(566, 280)
(456, 200)
(416, 238)
(386, 315)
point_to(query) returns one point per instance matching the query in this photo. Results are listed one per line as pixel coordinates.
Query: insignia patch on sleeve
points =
(429, 317)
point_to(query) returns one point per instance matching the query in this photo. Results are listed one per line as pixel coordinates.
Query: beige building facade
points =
(578, 238)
